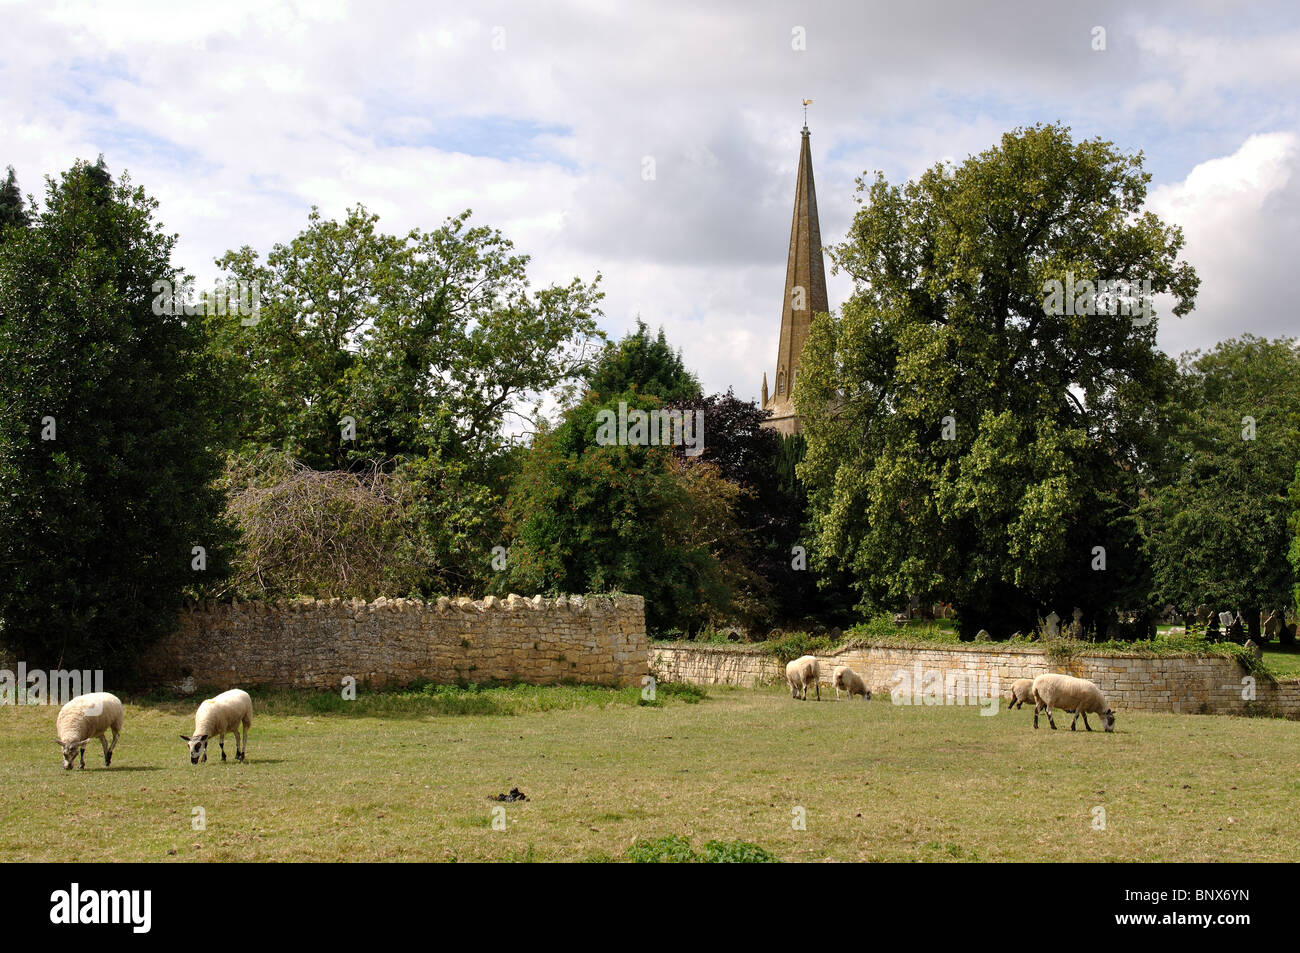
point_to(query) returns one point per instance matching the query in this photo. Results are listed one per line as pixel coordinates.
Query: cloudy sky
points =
(239, 116)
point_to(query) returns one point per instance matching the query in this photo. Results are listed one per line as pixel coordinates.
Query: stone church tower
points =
(805, 295)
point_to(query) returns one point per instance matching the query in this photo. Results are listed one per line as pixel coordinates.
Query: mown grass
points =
(1282, 661)
(603, 773)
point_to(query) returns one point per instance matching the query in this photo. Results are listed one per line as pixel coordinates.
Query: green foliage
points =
(675, 849)
(642, 365)
(1293, 493)
(736, 852)
(97, 524)
(1217, 528)
(963, 442)
(792, 645)
(593, 518)
(428, 341)
(12, 212)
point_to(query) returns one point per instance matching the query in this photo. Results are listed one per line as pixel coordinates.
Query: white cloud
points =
(238, 118)
(1240, 214)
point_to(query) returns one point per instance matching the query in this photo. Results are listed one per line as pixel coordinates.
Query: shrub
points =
(792, 645)
(674, 849)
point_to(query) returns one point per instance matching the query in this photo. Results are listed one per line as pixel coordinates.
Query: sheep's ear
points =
(185, 737)
(203, 737)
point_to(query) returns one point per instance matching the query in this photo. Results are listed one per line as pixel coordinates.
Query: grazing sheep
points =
(85, 717)
(1022, 690)
(849, 680)
(1073, 694)
(801, 673)
(217, 716)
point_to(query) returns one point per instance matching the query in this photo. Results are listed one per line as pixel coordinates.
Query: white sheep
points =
(849, 680)
(1073, 694)
(1022, 690)
(85, 717)
(217, 716)
(801, 673)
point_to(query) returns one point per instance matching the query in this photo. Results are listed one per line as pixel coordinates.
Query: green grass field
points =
(1282, 660)
(408, 777)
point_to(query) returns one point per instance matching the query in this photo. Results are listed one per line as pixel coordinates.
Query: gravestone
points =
(1274, 625)
(1053, 626)
(1203, 614)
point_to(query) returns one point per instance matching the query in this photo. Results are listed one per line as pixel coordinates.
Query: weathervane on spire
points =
(806, 104)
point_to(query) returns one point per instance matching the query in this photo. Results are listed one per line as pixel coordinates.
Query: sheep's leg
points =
(837, 692)
(1038, 706)
(1085, 719)
(103, 743)
(242, 753)
(82, 749)
(1051, 721)
(221, 743)
(108, 749)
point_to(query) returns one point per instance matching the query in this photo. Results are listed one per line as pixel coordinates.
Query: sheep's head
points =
(70, 750)
(1108, 719)
(198, 747)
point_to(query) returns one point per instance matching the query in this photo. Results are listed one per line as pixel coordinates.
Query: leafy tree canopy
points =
(429, 342)
(642, 364)
(110, 436)
(967, 437)
(1216, 529)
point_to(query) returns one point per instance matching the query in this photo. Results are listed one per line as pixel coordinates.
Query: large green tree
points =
(429, 342)
(593, 516)
(110, 437)
(12, 210)
(645, 364)
(1216, 528)
(969, 435)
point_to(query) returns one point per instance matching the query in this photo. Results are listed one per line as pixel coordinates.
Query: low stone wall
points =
(316, 644)
(1203, 685)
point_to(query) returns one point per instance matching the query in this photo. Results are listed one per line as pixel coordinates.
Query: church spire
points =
(805, 291)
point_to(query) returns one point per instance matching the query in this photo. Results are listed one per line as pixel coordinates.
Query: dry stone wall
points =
(1210, 685)
(316, 644)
